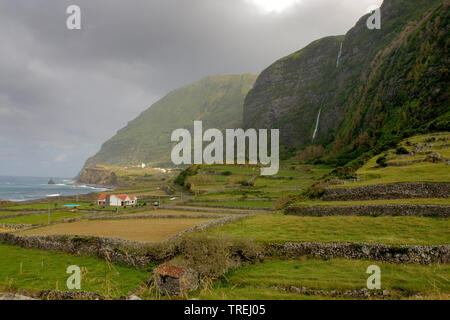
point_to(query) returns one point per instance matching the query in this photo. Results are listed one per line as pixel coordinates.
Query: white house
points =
(116, 200)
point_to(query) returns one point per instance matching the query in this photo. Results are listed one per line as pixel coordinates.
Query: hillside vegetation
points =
(216, 100)
(388, 84)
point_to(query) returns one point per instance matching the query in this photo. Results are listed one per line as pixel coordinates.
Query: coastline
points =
(31, 190)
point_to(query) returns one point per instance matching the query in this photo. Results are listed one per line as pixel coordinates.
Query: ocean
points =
(30, 188)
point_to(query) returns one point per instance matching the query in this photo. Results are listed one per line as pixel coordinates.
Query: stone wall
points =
(389, 191)
(369, 251)
(140, 254)
(204, 205)
(16, 227)
(372, 210)
(134, 253)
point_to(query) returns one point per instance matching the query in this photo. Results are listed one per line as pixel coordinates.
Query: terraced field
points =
(278, 279)
(386, 230)
(151, 230)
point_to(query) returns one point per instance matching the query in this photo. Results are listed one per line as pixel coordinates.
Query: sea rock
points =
(51, 181)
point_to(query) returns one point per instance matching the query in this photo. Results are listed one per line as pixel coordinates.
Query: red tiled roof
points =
(171, 271)
(122, 197)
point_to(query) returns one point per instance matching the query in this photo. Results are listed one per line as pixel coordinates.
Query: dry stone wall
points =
(389, 191)
(372, 210)
(369, 251)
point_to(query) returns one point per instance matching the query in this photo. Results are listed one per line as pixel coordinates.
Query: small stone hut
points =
(175, 281)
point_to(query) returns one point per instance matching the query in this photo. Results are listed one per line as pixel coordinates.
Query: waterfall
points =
(339, 56)
(317, 125)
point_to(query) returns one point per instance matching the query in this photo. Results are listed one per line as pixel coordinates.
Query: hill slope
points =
(363, 89)
(217, 100)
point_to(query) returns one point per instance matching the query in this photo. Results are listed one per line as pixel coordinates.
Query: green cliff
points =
(369, 86)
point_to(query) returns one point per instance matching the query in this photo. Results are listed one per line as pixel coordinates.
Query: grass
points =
(371, 173)
(5, 213)
(171, 213)
(130, 229)
(35, 270)
(387, 230)
(440, 202)
(250, 204)
(293, 178)
(42, 218)
(43, 206)
(264, 281)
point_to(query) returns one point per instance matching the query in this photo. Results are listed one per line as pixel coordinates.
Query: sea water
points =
(30, 188)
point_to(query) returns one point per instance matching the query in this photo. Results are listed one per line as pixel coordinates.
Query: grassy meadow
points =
(273, 278)
(386, 230)
(36, 270)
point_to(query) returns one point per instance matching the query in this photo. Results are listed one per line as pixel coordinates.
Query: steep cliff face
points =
(217, 101)
(351, 92)
(98, 176)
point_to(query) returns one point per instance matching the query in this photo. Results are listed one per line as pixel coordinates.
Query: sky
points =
(65, 92)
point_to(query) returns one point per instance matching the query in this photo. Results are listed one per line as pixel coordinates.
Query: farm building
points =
(116, 200)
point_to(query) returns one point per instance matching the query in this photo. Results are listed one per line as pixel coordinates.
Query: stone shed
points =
(174, 280)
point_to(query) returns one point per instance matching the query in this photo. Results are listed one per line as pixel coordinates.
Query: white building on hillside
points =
(116, 200)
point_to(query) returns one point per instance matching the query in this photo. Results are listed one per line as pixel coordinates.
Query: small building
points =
(175, 281)
(116, 200)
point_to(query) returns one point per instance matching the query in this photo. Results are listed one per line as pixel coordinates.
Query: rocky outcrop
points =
(372, 210)
(98, 176)
(407, 190)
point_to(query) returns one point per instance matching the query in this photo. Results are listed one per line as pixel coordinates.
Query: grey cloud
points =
(65, 92)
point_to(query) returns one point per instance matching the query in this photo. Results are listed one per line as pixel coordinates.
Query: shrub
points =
(188, 172)
(382, 161)
(317, 190)
(401, 150)
(227, 173)
(283, 202)
(246, 183)
(214, 256)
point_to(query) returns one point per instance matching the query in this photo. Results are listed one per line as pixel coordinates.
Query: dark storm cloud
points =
(63, 93)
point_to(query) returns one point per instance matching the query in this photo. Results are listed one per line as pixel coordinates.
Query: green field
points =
(266, 280)
(36, 270)
(250, 204)
(42, 218)
(43, 206)
(371, 173)
(222, 182)
(386, 230)
(439, 202)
